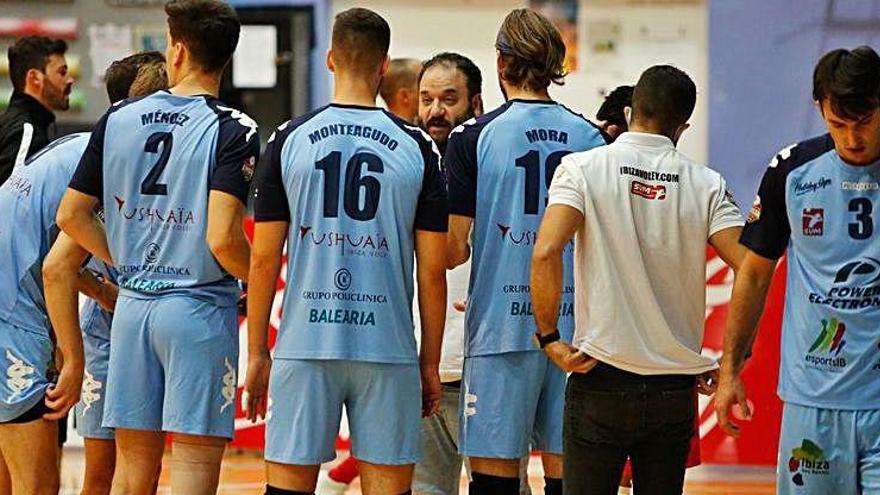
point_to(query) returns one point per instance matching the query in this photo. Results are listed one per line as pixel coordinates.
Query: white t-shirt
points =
(640, 256)
(452, 356)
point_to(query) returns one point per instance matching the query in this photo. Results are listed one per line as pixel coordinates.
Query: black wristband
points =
(545, 340)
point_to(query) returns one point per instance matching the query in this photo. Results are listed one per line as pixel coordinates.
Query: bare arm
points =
(265, 265)
(60, 281)
(458, 248)
(557, 228)
(431, 275)
(726, 244)
(746, 305)
(225, 234)
(77, 219)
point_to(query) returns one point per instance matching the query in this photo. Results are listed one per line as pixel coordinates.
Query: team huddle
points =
(580, 250)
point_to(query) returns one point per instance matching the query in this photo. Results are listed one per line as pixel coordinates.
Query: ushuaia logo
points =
(524, 237)
(809, 458)
(813, 221)
(826, 349)
(170, 218)
(375, 245)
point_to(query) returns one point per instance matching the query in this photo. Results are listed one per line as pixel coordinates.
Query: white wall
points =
(649, 34)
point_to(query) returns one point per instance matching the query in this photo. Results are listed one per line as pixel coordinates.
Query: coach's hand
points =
(569, 358)
(707, 383)
(63, 395)
(432, 391)
(731, 393)
(256, 387)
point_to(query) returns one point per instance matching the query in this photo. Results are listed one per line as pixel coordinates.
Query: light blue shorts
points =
(89, 412)
(26, 357)
(510, 402)
(823, 451)
(383, 403)
(173, 363)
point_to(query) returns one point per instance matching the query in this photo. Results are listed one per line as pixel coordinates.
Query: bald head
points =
(400, 87)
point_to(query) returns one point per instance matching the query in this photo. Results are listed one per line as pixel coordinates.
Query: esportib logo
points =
(825, 352)
(374, 245)
(856, 286)
(179, 219)
(648, 191)
(813, 221)
(809, 458)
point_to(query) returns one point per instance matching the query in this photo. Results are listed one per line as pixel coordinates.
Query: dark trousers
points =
(611, 414)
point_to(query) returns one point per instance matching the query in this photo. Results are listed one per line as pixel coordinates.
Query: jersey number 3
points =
(863, 227)
(151, 185)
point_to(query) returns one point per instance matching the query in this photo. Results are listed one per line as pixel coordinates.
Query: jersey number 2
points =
(151, 185)
(863, 227)
(355, 181)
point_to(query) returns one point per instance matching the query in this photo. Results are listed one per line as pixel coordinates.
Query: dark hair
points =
(472, 75)
(31, 52)
(122, 73)
(611, 110)
(532, 50)
(664, 96)
(208, 28)
(849, 80)
(360, 39)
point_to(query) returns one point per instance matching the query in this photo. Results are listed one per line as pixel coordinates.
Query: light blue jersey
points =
(29, 201)
(825, 213)
(354, 183)
(500, 166)
(163, 156)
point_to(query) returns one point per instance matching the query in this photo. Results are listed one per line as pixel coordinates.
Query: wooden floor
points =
(243, 474)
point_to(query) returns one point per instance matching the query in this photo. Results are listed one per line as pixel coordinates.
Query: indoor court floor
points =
(243, 474)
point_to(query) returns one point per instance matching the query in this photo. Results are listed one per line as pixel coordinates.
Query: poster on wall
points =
(564, 15)
(107, 42)
(17, 27)
(149, 38)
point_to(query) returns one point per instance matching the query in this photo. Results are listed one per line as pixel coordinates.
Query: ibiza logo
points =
(813, 221)
(90, 388)
(228, 390)
(811, 186)
(373, 244)
(151, 253)
(648, 191)
(809, 458)
(18, 375)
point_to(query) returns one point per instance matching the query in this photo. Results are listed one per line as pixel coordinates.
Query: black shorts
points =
(32, 414)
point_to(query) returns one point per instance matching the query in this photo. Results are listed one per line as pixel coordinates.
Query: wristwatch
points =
(545, 340)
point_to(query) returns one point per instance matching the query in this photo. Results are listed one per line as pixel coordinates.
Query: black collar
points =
(41, 115)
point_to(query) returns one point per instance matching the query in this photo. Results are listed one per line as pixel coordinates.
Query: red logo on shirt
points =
(813, 221)
(648, 191)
